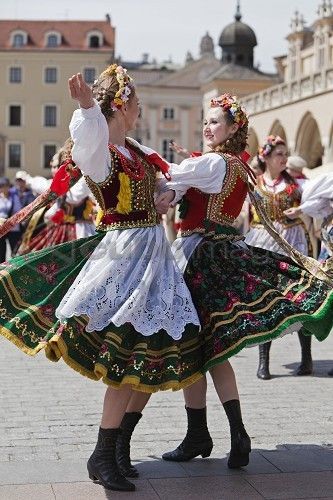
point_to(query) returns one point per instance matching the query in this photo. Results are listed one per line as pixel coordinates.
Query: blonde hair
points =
(63, 153)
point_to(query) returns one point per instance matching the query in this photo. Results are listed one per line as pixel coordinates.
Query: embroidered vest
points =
(276, 203)
(203, 211)
(126, 202)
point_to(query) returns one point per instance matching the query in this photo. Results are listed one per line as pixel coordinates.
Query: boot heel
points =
(207, 452)
(93, 478)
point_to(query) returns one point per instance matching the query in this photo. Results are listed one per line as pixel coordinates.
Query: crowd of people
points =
(112, 298)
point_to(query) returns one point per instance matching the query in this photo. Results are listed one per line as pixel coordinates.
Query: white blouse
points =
(317, 196)
(204, 172)
(131, 276)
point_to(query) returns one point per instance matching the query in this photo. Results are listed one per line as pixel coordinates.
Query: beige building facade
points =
(174, 103)
(36, 60)
(300, 108)
(38, 57)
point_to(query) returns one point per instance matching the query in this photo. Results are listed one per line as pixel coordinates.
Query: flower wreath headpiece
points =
(124, 82)
(230, 104)
(269, 145)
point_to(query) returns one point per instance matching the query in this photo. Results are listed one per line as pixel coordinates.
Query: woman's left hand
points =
(163, 201)
(293, 213)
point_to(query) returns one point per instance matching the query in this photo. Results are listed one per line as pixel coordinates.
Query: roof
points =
(73, 34)
(191, 75)
(238, 33)
(147, 76)
(233, 71)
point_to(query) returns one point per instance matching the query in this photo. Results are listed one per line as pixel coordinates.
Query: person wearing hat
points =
(9, 205)
(295, 166)
(21, 187)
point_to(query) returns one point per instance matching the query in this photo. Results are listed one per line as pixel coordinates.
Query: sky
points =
(170, 28)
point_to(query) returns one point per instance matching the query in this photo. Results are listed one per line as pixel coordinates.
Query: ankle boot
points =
(102, 465)
(197, 440)
(240, 440)
(263, 368)
(123, 447)
(305, 368)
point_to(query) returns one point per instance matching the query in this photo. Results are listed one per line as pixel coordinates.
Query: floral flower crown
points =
(124, 82)
(271, 142)
(230, 104)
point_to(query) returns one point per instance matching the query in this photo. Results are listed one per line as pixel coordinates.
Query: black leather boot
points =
(197, 440)
(123, 447)
(240, 440)
(305, 368)
(263, 368)
(102, 465)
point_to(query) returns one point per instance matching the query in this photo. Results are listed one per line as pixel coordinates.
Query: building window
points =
(50, 75)
(52, 41)
(89, 75)
(168, 113)
(49, 150)
(50, 116)
(15, 116)
(14, 156)
(94, 42)
(166, 151)
(15, 74)
(18, 40)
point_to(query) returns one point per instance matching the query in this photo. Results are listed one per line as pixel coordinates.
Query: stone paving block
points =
(91, 491)
(43, 472)
(199, 488)
(294, 485)
(300, 460)
(151, 469)
(218, 467)
(27, 492)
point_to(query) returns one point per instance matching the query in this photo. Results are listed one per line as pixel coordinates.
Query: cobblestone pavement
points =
(49, 417)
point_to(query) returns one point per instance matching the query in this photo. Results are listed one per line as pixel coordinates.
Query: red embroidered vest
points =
(222, 208)
(126, 202)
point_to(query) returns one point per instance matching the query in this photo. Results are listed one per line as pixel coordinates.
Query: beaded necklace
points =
(133, 168)
(275, 182)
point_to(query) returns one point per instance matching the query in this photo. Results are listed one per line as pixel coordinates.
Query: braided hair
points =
(105, 89)
(238, 142)
(233, 113)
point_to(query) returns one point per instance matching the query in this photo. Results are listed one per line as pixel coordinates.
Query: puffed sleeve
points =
(78, 192)
(317, 196)
(90, 134)
(204, 172)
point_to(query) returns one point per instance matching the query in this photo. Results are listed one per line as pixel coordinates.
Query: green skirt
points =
(32, 286)
(247, 296)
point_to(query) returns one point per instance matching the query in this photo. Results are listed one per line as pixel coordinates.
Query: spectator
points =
(9, 205)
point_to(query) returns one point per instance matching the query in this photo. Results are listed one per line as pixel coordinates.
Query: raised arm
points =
(89, 131)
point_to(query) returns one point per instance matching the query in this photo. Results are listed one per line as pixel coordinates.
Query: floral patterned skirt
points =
(32, 286)
(246, 295)
(50, 235)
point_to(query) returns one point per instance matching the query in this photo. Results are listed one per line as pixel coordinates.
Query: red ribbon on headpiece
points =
(162, 165)
(61, 181)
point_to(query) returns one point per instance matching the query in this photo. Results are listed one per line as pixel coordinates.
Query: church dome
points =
(237, 33)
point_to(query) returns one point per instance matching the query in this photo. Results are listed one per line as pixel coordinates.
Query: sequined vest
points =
(202, 212)
(276, 203)
(126, 202)
(81, 212)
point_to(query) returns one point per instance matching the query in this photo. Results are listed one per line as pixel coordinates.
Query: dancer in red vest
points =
(244, 295)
